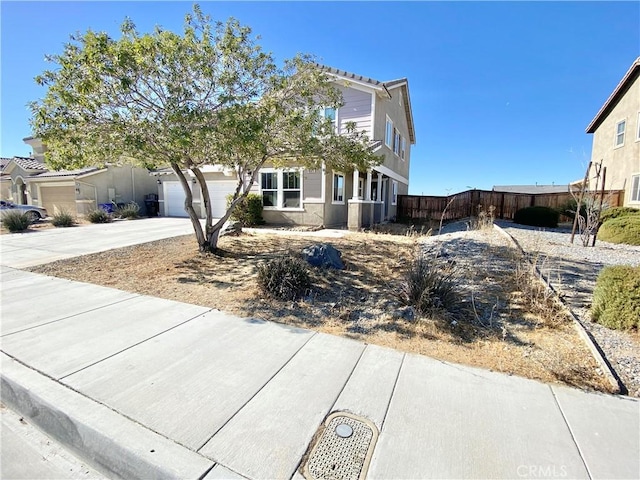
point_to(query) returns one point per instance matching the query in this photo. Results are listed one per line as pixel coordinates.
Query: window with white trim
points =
(291, 189)
(338, 188)
(403, 147)
(361, 188)
(281, 189)
(620, 128)
(269, 187)
(330, 114)
(396, 141)
(394, 193)
(635, 188)
(388, 133)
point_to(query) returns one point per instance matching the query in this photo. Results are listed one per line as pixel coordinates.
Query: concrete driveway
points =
(22, 250)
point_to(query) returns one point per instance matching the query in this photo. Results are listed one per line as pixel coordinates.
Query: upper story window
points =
(403, 148)
(338, 188)
(396, 141)
(330, 114)
(281, 189)
(620, 127)
(388, 133)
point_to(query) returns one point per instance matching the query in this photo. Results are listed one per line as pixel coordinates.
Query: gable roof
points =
(26, 163)
(619, 92)
(384, 87)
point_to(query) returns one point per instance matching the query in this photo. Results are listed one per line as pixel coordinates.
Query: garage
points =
(174, 200)
(56, 199)
(218, 192)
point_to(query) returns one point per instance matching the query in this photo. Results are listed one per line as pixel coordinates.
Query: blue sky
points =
(501, 91)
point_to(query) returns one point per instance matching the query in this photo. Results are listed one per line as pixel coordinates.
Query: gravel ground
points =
(572, 270)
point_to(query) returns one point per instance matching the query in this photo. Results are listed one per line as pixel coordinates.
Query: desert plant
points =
(130, 210)
(429, 286)
(16, 221)
(617, 212)
(248, 211)
(62, 219)
(621, 230)
(537, 217)
(285, 277)
(98, 216)
(570, 207)
(483, 219)
(616, 298)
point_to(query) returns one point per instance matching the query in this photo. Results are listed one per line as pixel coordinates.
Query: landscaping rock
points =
(323, 255)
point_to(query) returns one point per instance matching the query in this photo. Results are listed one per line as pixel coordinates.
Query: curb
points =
(587, 338)
(106, 440)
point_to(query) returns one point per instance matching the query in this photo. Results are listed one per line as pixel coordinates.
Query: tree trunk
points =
(203, 244)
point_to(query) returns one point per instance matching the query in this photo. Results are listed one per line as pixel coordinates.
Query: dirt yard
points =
(496, 329)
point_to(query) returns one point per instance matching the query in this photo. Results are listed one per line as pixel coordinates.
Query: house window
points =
(330, 114)
(360, 188)
(635, 188)
(403, 147)
(396, 141)
(281, 189)
(388, 133)
(620, 127)
(269, 183)
(291, 189)
(394, 193)
(338, 188)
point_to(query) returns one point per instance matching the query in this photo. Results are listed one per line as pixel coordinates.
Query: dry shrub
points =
(285, 278)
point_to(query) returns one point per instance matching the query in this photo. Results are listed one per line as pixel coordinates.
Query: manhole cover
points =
(344, 449)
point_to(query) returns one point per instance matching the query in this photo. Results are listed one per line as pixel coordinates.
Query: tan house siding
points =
(622, 161)
(356, 109)
(395, 110)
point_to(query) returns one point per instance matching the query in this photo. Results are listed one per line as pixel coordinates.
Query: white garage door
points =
(218, 192)
(174, 200)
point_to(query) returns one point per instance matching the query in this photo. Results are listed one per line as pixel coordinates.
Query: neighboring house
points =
(531, 189)
(28, 181)
(16, 172)
(323, 197)
(616, 137)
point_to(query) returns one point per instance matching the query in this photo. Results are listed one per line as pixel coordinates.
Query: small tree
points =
(209, 96)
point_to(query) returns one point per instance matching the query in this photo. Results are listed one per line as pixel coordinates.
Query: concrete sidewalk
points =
(143, 387)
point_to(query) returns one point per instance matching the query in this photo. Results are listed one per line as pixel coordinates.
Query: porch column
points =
(368, 192)
(379, 196)
(356, 184)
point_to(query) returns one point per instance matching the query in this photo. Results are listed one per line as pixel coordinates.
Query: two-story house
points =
(322, 197)
(616, 137)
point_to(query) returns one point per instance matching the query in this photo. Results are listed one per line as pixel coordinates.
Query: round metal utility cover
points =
(343, 430)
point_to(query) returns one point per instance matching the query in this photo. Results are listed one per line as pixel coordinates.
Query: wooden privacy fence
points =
(467, 204)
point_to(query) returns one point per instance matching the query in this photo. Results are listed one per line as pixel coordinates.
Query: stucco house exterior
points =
(323, 197)
(616, 137)
(29, 181)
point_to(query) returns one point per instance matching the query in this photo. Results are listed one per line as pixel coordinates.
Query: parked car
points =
(33, 212)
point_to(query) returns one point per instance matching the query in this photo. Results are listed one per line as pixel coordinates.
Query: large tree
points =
(208, 96)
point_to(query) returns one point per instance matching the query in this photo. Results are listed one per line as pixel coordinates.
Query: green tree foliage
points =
(207, 96)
